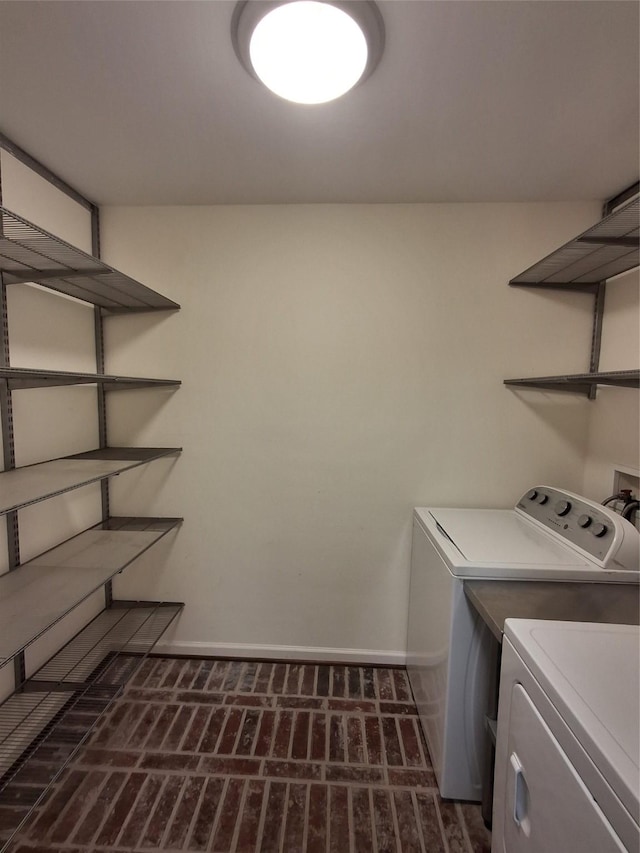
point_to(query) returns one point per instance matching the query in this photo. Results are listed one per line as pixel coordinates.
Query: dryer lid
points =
(493, 536)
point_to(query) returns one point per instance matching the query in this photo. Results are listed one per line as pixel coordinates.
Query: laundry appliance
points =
(567, 771)
(549, 535)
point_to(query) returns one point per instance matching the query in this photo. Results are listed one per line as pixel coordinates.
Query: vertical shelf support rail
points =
(601, 289)
(8, 451)
(596, 332)
(98, 318)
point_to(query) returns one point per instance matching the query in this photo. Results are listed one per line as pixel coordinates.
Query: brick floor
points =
(247, 757)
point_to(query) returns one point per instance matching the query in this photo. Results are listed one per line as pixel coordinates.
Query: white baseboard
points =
(313, 654)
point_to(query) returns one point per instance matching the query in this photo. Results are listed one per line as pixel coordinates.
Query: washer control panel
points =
(591, 527)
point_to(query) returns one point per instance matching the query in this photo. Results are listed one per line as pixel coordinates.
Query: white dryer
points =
(550, 534)
(567, 774)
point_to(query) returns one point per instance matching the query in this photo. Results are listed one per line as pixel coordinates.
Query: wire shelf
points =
(29, 254)
(44, 590)
(21, 487)
(89, 656)
(581, 383)
(18, 378)
(607, 249)
(104, 655)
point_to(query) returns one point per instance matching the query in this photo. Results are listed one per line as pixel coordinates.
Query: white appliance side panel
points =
(429, 631)
(545, 806)
(448, 660)
(470, 661)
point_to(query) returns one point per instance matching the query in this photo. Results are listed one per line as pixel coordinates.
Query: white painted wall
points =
(341, 364)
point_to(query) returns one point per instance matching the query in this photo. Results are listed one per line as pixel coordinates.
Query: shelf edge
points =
(8, 656)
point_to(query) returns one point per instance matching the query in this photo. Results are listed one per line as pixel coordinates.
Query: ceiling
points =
(146, 103)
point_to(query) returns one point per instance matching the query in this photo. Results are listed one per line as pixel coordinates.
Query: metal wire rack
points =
(81, 680)
(51, 714)
(89, 656)
(20, 487)
(30, 254)
(18, 378)
(581, 383)
(585, 264)
(607, 249)
(48, 587)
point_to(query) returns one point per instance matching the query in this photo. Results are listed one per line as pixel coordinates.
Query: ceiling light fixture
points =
(308, 51)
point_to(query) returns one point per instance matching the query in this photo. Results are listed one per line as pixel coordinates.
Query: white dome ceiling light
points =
(308, 51)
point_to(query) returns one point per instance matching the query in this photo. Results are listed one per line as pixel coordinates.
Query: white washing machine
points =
(567, 774)
(550, 534)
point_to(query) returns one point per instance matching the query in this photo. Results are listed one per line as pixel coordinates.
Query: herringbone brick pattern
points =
(247, 757)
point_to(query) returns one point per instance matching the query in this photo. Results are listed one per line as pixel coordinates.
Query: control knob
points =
(584, 520)
(599, 529)
(542, 498)
(562, 507)
(532, 495)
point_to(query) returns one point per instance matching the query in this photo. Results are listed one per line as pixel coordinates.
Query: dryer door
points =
(547, 806)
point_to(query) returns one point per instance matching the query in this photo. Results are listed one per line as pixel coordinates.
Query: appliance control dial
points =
(542, 498)
(532, 495)
(584, 520)
(562, 507)
(599, 529)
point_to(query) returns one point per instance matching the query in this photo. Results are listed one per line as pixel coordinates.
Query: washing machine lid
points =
(591, 673)
(503, 536)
